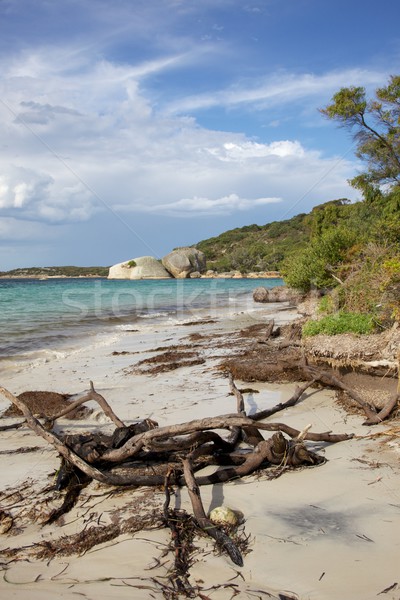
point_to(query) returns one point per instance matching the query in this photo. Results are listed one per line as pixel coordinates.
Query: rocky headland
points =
(181, 263)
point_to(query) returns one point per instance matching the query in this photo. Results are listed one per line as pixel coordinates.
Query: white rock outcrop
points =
(144, 267)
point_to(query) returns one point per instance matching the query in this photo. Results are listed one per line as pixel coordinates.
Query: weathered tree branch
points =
(275, 451)
(268, 412)
(223, 540)
(251, 435)
(38, 428)
(373, 416)
(221, 422)
(238, 395)
(91, 395)
(12, 426)
(385, 412)
(391, 404)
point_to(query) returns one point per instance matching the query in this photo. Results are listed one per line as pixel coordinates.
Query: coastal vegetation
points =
(354, 249)
(340, 322)
(349, 250)
(256, 247)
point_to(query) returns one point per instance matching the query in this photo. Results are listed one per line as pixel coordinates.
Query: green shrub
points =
(315, 265)
(341, 322)
(131, 264)
(327, 305)
(372, 282)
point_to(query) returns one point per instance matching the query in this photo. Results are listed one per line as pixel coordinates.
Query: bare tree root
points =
(373, 416)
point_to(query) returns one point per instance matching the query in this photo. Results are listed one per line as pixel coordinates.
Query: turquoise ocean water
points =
(58, 313)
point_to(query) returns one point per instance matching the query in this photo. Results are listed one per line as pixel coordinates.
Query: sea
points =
(57, 314)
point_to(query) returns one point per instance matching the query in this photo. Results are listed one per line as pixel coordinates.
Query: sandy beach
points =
(323, 533)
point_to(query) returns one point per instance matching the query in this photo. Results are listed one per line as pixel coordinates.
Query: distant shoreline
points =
(216, 276)
(44, 277)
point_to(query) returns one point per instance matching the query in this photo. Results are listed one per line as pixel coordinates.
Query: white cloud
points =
(239, 152)
(276, 89)
(31, 195)
(80, 139)
(20, 188)
(189, 207)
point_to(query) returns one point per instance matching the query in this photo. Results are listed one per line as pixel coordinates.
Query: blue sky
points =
(128, 128)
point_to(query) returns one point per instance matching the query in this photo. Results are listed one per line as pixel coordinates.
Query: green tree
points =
(375, 126)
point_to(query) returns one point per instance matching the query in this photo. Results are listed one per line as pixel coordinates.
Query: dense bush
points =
(372, 282)
(315, 266)
(341, 322)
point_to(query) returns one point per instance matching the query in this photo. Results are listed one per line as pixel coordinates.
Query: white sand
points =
(324, 533)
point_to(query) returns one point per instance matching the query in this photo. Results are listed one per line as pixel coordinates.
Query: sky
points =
(132, 127)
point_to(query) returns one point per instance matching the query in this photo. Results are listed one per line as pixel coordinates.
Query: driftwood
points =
(269, 332)
(144, 454)
(251, 435)
(274, 451)
(150, 440)
(238, 395)
(90, 395)
(299, 391)
(222, 539)
(373, 415)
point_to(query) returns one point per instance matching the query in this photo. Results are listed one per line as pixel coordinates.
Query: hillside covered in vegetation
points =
(256, 247)
(268, 247)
